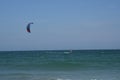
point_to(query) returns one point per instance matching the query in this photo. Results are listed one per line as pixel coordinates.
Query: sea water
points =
(60, 65)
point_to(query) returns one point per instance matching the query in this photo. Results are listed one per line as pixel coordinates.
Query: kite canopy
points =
(28, 27)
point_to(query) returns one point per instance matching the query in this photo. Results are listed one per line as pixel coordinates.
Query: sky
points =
(59, 24)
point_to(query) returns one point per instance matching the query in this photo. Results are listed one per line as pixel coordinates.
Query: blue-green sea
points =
(60, 65)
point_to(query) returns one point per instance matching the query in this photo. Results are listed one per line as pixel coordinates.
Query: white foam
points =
(62, 79)
(59, 79)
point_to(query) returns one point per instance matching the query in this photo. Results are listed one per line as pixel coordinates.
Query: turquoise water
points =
(60, 65)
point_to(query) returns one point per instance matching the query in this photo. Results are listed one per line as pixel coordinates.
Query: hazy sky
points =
(59, 24)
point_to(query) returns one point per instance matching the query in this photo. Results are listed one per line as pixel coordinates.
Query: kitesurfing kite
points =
(28, 27)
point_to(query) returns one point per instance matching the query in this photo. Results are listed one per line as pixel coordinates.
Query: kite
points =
(28, 27)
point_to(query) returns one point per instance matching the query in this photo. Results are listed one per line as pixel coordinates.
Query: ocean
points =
(60, 65)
